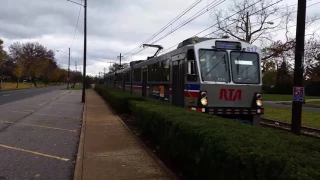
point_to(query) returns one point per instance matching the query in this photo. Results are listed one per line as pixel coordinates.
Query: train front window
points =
(214, 65)
(245, 67)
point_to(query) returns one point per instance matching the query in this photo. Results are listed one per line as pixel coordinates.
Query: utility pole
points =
(84, 49)
(120, 59)
(84, 53)
(68, 71)
(298, 71)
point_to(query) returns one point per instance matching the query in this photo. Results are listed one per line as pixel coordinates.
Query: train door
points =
(178, 82)
(144, 82)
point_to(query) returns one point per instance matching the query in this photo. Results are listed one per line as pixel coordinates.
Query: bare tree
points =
(116, 66)
(311, 57)
(251, 20)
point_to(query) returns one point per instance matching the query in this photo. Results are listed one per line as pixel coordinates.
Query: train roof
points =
(192, 40)
(184, 43)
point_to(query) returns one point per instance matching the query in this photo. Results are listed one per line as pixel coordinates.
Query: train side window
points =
(137, 75)
(150, 73)
(191, 66)
(166, 70)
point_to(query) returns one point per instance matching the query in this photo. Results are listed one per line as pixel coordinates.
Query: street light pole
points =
(68, 78)
(84, 49)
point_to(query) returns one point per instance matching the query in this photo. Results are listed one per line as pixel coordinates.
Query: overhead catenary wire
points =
(165, 50)
(296, 25)
(293, 11)
(168, 25)
(212, 25)
(270, 31)
(75, 30)
(196, 15)
(189, 20)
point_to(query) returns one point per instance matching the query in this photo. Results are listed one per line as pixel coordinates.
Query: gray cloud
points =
(114, 26)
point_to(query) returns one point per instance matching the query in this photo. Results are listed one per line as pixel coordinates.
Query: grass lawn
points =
(310, 119)
(283, 97)
(13, 85)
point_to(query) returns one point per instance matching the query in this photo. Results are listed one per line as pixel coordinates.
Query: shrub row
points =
(209, 147)
(117, 99)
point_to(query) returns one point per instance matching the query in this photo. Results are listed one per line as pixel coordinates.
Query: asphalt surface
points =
(15, 95)
(276, 104)
(39, 136)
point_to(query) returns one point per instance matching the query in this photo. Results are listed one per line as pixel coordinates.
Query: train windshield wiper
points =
(223, 57)
(239, 57)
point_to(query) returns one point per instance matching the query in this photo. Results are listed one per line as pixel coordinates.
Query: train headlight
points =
(204, 101)
(259, 102)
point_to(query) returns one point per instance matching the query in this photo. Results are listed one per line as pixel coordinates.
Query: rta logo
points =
(230, 94)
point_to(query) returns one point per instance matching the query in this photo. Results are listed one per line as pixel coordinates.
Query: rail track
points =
(305, 131)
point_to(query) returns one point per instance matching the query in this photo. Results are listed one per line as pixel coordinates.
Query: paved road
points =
(15, 95)
(275, 104)
(39, 136)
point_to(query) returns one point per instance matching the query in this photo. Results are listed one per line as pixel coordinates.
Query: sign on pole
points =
(298, 94)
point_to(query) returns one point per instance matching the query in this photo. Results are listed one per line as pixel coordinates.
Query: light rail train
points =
(210, 75)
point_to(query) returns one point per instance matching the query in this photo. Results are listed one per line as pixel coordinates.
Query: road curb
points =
(79, 160)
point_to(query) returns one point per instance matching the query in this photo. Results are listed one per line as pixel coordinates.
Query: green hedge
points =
(209, 147)
(119, 100)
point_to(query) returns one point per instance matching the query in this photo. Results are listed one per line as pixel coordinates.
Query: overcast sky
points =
(114, 26)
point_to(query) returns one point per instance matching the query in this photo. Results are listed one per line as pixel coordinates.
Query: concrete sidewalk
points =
(107, 149)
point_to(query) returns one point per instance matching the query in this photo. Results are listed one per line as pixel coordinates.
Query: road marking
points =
(48, 127)
(61, 103)
(33, 152)
(20, 112)
(26, 124)
(56, 116)
(32, 105)
(6, 122)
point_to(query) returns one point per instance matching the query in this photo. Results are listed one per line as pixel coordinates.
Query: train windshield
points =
(245, 67)
(214, 65)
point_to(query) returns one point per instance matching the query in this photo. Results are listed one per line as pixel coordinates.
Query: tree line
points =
(34, 63)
